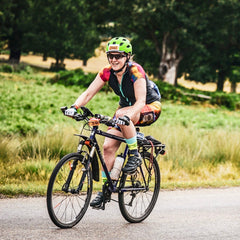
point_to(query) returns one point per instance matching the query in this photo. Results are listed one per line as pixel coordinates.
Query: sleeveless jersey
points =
(125, 90)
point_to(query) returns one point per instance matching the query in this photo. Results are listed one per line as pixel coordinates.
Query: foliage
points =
(6, 68)
(189, 96)
(76, 77)
(202, 36)
(14, 24)
(29, 104)
(221, 41)
(143, 50)
(16, 68)
(151, 22)
(231, 101)
(68, 28)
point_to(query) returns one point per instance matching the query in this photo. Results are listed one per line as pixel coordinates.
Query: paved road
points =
(179, 215)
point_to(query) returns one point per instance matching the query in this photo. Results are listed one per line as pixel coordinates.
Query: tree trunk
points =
(14, 56)
(15, 47)
(59, 65)
(221, 80)
(169, 63)
(45, 56)
(233, 87)
(84, 62)
(170, 75)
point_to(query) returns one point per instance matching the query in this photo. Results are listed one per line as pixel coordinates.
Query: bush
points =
(17, 68)
(6, 68)
(75, 77)
(190, 96)
(223, 99)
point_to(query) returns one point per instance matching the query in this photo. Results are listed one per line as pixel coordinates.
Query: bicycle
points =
(71, 183)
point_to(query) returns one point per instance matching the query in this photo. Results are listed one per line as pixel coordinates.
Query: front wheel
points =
(139, 192)
(69, 191)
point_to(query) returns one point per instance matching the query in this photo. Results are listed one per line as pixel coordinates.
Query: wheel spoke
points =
(137, 204)
(66, 208)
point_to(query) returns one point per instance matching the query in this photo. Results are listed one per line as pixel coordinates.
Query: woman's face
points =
(117, 60)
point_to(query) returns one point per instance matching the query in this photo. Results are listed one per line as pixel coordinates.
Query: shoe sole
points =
(133, 171)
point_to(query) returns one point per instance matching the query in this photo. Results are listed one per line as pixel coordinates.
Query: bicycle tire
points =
(66, 208)
(135, 206)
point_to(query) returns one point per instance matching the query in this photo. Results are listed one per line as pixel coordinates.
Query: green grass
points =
(27, 107)
(202, 142)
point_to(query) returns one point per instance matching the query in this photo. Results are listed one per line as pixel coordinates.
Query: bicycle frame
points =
(95, 147)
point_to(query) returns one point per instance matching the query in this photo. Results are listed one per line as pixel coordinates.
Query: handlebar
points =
(87, 114)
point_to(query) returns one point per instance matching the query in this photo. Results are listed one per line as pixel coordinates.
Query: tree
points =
(191, 37)
(14, 22)
(166, 27)
(63, 29)
(220, 39)
(59, 29)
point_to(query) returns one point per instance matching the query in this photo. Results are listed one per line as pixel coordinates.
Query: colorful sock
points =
(104, 177)
(132, 145)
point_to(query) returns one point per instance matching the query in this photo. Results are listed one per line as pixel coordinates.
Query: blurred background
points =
(50, 51)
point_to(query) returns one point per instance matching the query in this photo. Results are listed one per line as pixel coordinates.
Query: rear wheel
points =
(67, 201)
(139, 192)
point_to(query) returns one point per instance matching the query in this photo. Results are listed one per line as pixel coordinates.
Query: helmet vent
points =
(119, 44)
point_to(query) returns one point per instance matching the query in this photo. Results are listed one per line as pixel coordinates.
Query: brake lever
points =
(87, 112)
(78, 117)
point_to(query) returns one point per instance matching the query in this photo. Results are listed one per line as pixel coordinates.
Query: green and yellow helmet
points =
(119, 44)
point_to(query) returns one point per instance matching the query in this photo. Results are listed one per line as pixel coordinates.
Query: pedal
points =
(98, 208)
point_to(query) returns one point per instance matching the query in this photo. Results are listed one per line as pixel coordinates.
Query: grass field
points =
(202, 142)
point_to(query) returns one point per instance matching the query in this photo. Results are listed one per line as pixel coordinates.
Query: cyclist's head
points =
(119, 44)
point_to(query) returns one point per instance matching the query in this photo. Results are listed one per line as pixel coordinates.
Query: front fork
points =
(86, 162)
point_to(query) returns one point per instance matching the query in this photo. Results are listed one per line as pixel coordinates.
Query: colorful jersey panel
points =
(149, 114)
(136, 71)
(105, 73)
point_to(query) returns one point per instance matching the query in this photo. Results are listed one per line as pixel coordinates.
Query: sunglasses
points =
(116, 56)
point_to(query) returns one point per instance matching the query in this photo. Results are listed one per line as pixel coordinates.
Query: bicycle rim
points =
(136, 205)
(66, 208)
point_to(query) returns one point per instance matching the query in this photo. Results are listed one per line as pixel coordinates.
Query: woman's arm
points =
(87, 95)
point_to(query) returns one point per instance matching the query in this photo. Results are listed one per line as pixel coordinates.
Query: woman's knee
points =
(107, 146)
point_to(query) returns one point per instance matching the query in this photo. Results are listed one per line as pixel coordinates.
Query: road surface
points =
(179, 215)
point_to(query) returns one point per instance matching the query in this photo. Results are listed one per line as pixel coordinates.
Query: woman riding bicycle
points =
(139, 102)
